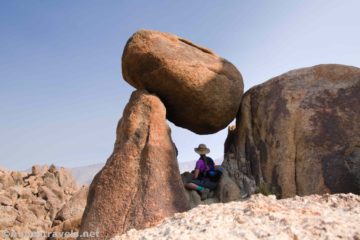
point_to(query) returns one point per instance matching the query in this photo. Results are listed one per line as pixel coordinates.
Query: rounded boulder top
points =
(201, 91)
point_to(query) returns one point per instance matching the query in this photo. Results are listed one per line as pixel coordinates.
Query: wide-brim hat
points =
(202, 149)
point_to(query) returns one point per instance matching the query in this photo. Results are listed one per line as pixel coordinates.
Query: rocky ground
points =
(263, 217)
(43, 201)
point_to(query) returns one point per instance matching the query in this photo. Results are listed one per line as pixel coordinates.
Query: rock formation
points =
(298, 133)
(30, 201)
(201, 91)
(140, 184)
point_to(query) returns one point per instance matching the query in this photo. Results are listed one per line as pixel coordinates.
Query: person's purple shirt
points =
(201, 165)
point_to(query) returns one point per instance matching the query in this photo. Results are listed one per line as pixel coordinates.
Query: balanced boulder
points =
(140, 184)
(201, 91)
(298, 134)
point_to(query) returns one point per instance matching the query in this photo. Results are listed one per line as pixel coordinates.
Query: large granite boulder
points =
(298, 133)
(140, 184)
(201, 91)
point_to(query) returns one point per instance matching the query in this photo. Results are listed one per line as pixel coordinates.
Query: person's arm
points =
(198, 166)
(196, 173)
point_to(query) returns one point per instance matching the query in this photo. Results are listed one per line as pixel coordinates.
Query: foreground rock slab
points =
(312, 217)
(140, 184)
(201, 91)
(298, 133)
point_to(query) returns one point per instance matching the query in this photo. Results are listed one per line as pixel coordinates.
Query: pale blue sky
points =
(61, 88)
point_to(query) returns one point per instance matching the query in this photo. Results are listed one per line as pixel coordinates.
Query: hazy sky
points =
(61, 88)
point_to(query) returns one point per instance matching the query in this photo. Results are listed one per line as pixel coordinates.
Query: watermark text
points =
(13, 234)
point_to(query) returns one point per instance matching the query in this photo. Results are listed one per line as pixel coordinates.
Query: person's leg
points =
(193, 186)
(198, 185)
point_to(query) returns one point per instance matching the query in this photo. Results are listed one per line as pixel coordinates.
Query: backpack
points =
(213, 174)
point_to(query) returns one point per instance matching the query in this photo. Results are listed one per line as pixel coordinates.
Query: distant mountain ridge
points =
(85, 174)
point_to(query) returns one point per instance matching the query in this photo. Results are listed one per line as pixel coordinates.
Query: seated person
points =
(203, 168)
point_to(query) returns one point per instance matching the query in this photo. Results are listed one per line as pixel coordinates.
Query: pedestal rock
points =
(140, 184)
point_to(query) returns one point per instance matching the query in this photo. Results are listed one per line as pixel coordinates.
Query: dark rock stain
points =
(336, 174)
(252, 157)
(335, 121)
(263, 152)
(273, 101)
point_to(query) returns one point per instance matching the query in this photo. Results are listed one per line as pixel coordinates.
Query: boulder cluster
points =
(34, 202)
(68, 218)
(191, 86)
(296, 134)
